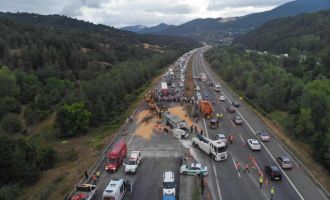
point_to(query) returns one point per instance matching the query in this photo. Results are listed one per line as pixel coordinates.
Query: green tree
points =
(11, 123)
(8, 86)
(72, 119)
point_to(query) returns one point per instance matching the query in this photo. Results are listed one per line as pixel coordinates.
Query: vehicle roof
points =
(113, 185)
(118, 146)
(285, 158)
(254, 141)
(220, 134)
(214, 120)
(274, 168)
(134, 155)
(168, 176)
(198, 165)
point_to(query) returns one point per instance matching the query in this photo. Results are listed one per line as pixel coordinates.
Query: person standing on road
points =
(86, 175)
(94, 179)
(260, 181)
(246, 168)
(191, 128)
(230, 138)
(201, 132)
(272, 192)
(98, 174)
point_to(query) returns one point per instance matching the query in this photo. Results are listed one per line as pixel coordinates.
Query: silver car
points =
(284, 162)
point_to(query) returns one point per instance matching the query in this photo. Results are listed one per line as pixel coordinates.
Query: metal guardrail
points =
(96, 165)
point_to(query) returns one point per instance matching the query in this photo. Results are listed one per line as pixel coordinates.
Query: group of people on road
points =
(95, 176)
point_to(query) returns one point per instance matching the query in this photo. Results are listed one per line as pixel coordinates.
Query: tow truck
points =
(217, 149)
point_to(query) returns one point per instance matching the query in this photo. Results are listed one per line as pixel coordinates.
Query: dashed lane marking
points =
(214, 169)
(286, 176)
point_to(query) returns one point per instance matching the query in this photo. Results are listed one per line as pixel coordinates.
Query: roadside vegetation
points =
(63, 86)
(300, 103)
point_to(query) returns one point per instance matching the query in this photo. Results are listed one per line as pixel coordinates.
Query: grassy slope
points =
(75, 154)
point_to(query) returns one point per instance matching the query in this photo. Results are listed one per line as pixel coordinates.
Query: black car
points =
(235, 103)
(231, 109)
(273, 172)
(211, 83)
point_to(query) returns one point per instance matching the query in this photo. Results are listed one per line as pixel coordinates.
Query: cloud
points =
(222, 4)
(176, 9)
(119, 13)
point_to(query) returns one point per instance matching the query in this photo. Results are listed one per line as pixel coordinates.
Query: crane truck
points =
(217, 149)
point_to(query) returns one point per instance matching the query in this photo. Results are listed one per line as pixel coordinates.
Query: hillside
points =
(203, 29)
(76, 79)
(307, 33)
(306, 38)
(135, 28)
(147, 30)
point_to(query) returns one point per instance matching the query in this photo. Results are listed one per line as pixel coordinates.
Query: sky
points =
(119, 13)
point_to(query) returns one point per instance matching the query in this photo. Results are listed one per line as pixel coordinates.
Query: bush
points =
(11, 123)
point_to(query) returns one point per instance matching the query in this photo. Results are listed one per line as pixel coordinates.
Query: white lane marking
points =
(241, 138)
(130, 140)
(216, 178)
(215, 171)
(286, 176)
(224, 108)
(239, 175)
(207, 134)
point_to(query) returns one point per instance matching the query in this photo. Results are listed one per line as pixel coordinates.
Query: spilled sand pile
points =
(181, 112)
(147, 124)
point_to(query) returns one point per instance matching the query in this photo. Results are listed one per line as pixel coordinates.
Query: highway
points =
(162, 152)
(227, 182)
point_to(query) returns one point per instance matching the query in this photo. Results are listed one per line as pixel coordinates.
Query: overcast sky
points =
(120, 13)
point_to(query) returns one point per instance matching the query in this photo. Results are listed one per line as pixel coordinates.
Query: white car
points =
(193, 169)
(133, 162)
(197, 88)
(254, 144)
(168, 183)
(217, 87)
(222, 98)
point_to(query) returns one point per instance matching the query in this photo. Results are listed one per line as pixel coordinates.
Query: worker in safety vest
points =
(218, 116)
(260, 181)
(272, 192)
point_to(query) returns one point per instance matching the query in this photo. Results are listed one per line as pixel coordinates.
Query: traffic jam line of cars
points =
(216, 149)
(117, 188)
(271, 171)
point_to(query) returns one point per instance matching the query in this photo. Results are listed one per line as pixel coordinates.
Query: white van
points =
(116, 189)
(168, 183)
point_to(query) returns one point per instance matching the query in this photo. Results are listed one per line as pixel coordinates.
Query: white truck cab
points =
(133, 162)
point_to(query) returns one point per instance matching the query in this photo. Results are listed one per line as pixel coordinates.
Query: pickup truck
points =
(84, 192)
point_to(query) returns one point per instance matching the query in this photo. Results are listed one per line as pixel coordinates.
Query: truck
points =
(217, 149)
(84, 192)
(180, 133)
(205, 108)
(117, 189)
(202, 76)
(164, 88)
(116, 156)
(173, 121)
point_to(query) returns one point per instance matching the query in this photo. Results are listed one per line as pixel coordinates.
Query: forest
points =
(299, 100)
(86, 77)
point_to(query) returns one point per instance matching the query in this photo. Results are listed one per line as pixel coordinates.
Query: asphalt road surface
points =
(226, 181)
